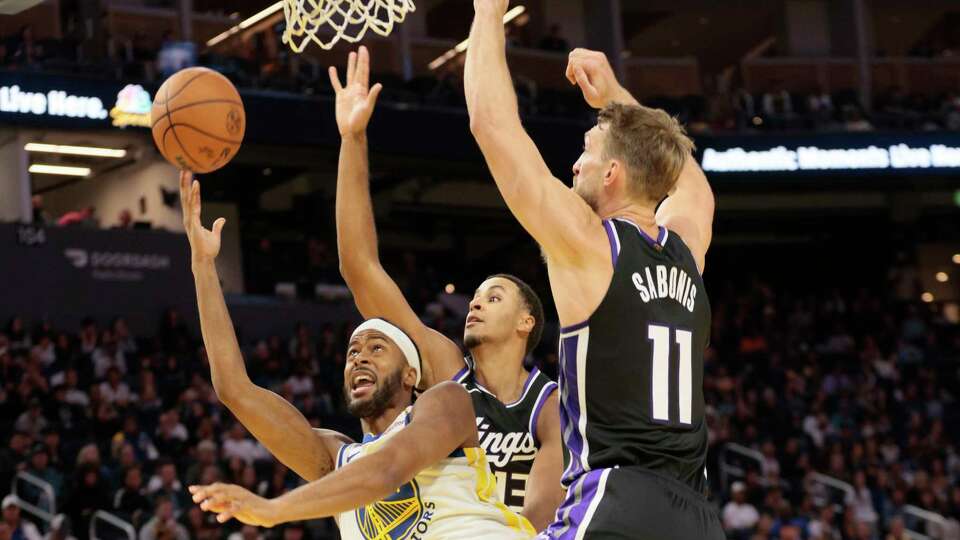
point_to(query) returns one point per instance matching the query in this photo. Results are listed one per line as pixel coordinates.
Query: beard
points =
(472, 340)
(379, 401)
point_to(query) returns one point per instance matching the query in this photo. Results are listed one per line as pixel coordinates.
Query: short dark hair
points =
(531, 301)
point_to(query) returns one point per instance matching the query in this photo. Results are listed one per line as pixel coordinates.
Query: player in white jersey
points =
(419, 472)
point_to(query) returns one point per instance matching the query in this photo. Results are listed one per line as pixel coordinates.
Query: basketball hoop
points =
(347, 19)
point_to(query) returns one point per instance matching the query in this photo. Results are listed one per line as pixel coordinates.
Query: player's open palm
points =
(204, 243)
(355, 100)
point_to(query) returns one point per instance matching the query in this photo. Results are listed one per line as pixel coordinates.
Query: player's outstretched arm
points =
(443, 421)
(374, 292)
(271, 419)
(558, 219)
(689, 208)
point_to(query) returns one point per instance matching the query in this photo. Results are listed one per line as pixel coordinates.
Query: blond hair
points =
(651, 144)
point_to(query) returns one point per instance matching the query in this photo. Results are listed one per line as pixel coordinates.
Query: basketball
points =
(198, 120)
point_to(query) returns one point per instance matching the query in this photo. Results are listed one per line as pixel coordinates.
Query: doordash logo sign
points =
(116, 266)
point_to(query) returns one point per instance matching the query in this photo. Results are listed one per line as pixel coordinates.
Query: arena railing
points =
(46, 489)
(728, 469)
(931, 518)
(112, 520)
(833, 483)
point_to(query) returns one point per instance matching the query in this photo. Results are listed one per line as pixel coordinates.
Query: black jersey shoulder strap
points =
(546, 387)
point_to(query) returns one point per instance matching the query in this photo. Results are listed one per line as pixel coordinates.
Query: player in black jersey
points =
(625, 276)
(516, 411)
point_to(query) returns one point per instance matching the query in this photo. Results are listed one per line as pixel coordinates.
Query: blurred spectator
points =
(171, 434)
(163, 526)
(853, 119)
(86, 216)
(248, 532)
(32, 420)
(19, 527)
(823, 526)
(862, 500)
(108, 355)
(238, 445)
(206, 456)
(202, 525)
(13, 455)
(126, 344)
(165, 483)
(23, 50)
(293, 531)
(124, 220)
(739, 516)
(74, 395)
(139, 441)
(173, 337)
(778, 105)
(950, 108)
(554, 41)
(821, 110)
(114, 390)
(89, 494)
(130, 501)
(897, 531)
(19, 340)
(40, 216)
(40, 467)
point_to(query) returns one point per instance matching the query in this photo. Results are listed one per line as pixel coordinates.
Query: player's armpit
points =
(544, 492)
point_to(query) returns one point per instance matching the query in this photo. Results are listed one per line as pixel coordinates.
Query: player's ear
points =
(410, 376)
(527, 322)
(614, 171)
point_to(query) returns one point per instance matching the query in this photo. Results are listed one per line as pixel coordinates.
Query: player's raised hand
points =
(592, 72)
(204, 243)
(355, 100)
(229, 501)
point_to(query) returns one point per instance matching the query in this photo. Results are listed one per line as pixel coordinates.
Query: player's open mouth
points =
(473, 320)
(362, 383)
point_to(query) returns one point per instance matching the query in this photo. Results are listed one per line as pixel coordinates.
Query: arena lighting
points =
(927, 297)
(450, 289)
(956, 258)
(462, 46)
(942, 277)
(39, 168)
(246, 23)
(92, 151)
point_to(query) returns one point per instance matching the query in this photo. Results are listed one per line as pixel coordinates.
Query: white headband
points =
(398, 336)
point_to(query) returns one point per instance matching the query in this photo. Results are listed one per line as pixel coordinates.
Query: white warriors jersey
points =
(454, 498)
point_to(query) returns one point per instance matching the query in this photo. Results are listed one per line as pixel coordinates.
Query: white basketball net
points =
(347, 19)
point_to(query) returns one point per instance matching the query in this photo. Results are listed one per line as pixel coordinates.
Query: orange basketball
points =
(198, 120)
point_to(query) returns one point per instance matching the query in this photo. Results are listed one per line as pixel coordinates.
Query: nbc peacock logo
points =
(393, 518)
(132, 108)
